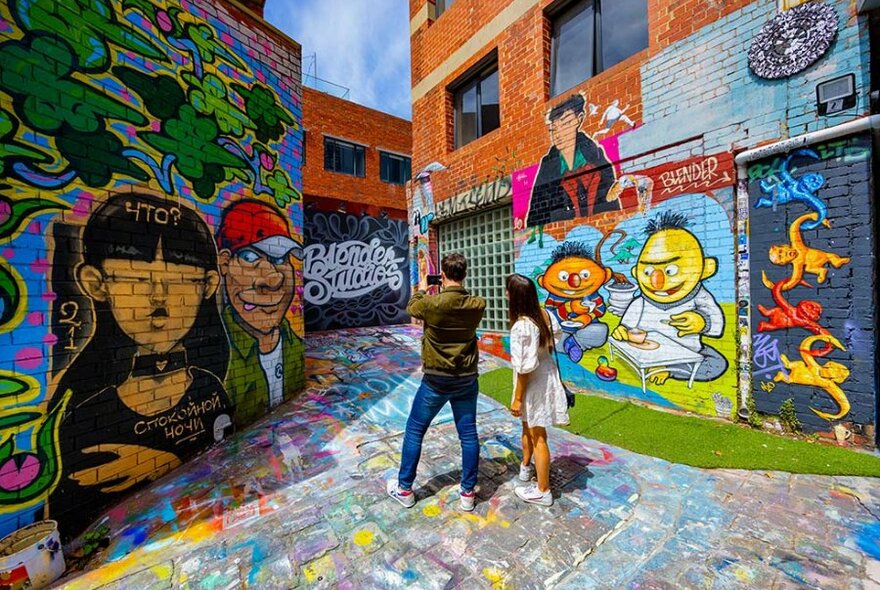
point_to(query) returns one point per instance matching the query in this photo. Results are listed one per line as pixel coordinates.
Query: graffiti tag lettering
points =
(151, 213)
(693, 175)
(349, 269)
(765, 355)
(479, 197)
(68, 312)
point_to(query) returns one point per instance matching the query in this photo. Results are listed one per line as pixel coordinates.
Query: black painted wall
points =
(356, 271)
(844, 246)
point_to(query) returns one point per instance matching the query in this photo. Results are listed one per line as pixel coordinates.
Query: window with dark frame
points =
(477, 109)
(442, 6)
(393, 168)
(590, 36)
(343, 157)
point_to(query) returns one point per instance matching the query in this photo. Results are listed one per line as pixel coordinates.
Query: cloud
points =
(361, 44)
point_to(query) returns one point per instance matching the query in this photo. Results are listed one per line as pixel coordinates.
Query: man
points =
(574, 177)
(674, 302)
(449, 364)
(259, 280)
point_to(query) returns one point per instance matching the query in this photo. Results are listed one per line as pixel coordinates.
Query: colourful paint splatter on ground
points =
(298, 500)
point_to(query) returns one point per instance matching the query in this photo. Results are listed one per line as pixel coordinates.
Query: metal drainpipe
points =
(742, 199)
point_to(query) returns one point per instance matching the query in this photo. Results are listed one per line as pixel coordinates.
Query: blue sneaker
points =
(406, 498)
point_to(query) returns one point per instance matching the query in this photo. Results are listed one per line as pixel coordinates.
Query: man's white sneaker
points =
(406, 498)
(526, 472)
(466, 501)
(533, 495)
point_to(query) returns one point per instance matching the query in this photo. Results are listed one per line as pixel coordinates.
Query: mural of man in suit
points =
(259, 281)
(575, 176)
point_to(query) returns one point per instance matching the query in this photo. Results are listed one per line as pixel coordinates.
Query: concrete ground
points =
(298, 501)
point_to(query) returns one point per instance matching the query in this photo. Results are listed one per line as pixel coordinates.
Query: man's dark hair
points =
(454, 266)
(574, 103)
(667, 220)
(571, 250)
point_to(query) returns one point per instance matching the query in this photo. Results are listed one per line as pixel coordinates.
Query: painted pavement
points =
(298, 501)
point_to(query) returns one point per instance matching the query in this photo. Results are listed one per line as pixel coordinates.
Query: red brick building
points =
(356, 163)
(552, 135)
(354, 132)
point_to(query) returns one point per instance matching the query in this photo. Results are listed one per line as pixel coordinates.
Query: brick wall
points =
(150, 242)
(692, 103)
(326, 114)
(813, 320)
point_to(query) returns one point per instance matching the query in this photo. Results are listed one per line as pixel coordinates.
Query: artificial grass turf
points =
(694, 441)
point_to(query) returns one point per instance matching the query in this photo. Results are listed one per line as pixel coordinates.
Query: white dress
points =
(544, 401)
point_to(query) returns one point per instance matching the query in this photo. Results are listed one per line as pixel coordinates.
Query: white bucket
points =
(31, 557)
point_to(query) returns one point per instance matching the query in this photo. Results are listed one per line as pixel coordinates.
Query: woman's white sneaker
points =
(533, 495)
(467, 500)
(406, 498)
(526, 472)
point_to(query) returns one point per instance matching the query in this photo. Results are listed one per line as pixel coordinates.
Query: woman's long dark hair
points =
(524, 303)
(116, 231)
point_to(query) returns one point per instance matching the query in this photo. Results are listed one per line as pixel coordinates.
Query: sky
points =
(360, 44)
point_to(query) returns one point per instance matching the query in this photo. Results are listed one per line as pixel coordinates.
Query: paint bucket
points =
(31, 557)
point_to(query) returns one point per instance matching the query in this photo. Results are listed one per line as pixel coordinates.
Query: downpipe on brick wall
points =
(742, 160)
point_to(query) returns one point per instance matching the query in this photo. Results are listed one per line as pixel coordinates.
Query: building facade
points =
(151, 231)
(356, 166)
(690, 183)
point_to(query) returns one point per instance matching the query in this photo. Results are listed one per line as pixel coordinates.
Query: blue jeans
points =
(433, 393)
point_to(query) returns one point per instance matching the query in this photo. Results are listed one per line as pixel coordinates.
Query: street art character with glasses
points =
(259, 281)
(147, 389)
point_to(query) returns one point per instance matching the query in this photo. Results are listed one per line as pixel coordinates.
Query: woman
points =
(538, 395)
(147, 390)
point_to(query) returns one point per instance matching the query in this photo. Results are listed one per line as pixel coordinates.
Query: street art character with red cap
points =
(259, 283)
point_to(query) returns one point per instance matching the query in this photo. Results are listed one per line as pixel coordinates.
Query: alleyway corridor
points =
(298, 501)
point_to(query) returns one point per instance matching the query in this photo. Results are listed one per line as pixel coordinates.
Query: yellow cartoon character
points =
(573, 280)
(801, 257)
(808, 372)
(670, 272)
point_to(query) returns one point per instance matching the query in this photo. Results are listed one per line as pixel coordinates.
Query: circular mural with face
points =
(793, 40)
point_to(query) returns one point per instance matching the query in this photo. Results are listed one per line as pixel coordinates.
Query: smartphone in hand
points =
(434, 280)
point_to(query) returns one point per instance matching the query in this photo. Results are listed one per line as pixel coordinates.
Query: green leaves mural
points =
(191, 138)
(269, 117)
(72, 77)
(96, 95)
(12, 150)
(210, 97)
(56, 99)
(27, 476)
(12, 297)
(14, 214)
(89, 27)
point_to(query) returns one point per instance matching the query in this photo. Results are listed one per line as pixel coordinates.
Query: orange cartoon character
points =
(573, 279)
(802, 258)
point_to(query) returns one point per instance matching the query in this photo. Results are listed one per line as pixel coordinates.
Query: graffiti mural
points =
(356, 271)
(566, 185)
(645, 295)
(257, 256)
(136, 139)
(810, 265)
